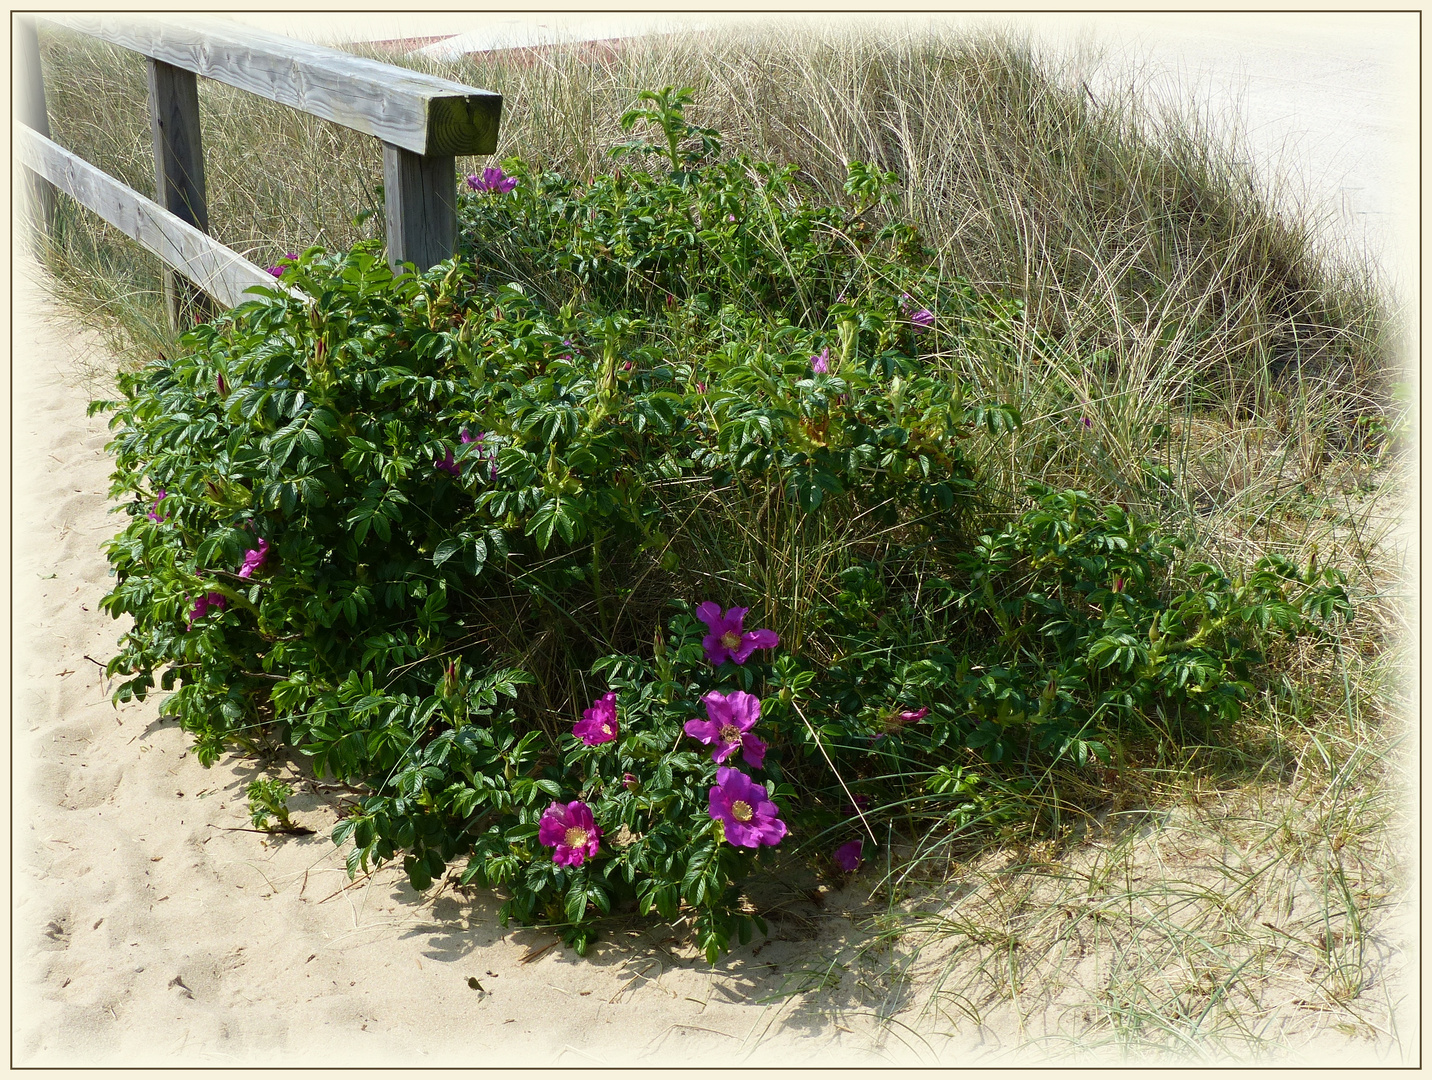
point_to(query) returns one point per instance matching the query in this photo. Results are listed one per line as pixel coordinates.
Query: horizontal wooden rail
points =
(221, 272)
(419, 113)
(422, 122)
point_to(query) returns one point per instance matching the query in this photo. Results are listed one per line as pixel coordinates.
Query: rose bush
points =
(473, 541)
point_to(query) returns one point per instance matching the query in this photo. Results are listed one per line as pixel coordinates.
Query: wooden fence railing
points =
(423, 123)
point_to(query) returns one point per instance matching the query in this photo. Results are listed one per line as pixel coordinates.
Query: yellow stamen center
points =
(576, 837)
(741, 811)
(731, 640)
(730, 733)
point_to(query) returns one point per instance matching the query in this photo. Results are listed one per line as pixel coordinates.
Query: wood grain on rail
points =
(419, 113)
(222, 273)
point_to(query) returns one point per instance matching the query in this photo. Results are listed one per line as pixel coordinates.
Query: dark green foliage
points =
(634, 373)
(1086, 636)
(707, 232)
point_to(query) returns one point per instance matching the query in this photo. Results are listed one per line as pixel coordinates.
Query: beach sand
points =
(150, 928)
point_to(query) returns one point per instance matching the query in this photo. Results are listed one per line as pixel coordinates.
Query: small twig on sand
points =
(292, 830)
(350, 885)
(533, 954)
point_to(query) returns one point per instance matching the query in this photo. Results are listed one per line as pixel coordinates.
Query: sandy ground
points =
(149, 929)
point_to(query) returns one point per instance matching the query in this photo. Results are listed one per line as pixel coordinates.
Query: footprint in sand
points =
(57, 933)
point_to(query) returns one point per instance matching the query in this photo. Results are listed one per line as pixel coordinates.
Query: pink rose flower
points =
(847, 856)
(727, 640)
(571, 831)
(492, 179)
(599, 723)
(730, 718)
(203, 604)
(745, 810)
(254, 558)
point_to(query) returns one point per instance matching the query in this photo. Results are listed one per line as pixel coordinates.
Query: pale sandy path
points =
(146, 934)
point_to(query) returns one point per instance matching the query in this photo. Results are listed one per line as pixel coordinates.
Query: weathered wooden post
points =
(420, 206)
(179, 175)
(29, 90)
(422, 122)
(420, 175)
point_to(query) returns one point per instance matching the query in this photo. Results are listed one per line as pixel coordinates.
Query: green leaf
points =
(312, 441)
(475, 556)
(446, 550)
(418, 873)
(576, 902)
